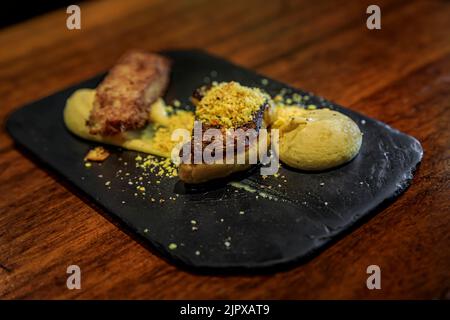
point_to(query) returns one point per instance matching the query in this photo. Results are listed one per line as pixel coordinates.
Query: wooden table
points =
(399, 74)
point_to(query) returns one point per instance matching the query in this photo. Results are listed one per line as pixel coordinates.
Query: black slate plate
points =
(306, 210)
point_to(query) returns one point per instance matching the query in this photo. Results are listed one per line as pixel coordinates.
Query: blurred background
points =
(17, 11)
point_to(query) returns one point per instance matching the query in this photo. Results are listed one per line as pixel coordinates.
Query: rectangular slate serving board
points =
(285, 220)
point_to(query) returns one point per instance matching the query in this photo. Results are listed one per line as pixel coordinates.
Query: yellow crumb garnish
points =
(160, 167)
(162, 141)
(230, 104)
(97, 154)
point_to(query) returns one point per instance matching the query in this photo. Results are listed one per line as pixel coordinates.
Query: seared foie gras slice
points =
(226, 106)
(123, 99)
(194, 173)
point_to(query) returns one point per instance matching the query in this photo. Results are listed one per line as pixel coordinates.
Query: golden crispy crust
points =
(202, 172)
(124, 97)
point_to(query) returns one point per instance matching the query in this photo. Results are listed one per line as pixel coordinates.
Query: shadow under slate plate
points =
(280, 220)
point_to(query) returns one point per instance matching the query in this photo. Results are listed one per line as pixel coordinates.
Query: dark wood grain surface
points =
(399, 74)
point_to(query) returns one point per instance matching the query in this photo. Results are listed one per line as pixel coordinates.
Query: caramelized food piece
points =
(122, 101)
(225, 106)
(98, 154)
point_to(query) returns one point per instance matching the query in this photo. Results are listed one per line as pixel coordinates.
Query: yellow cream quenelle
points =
(315, 139)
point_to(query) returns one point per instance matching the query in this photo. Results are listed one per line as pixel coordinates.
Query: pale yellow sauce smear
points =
(155, 138)
(240, 185)
(246, 187)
